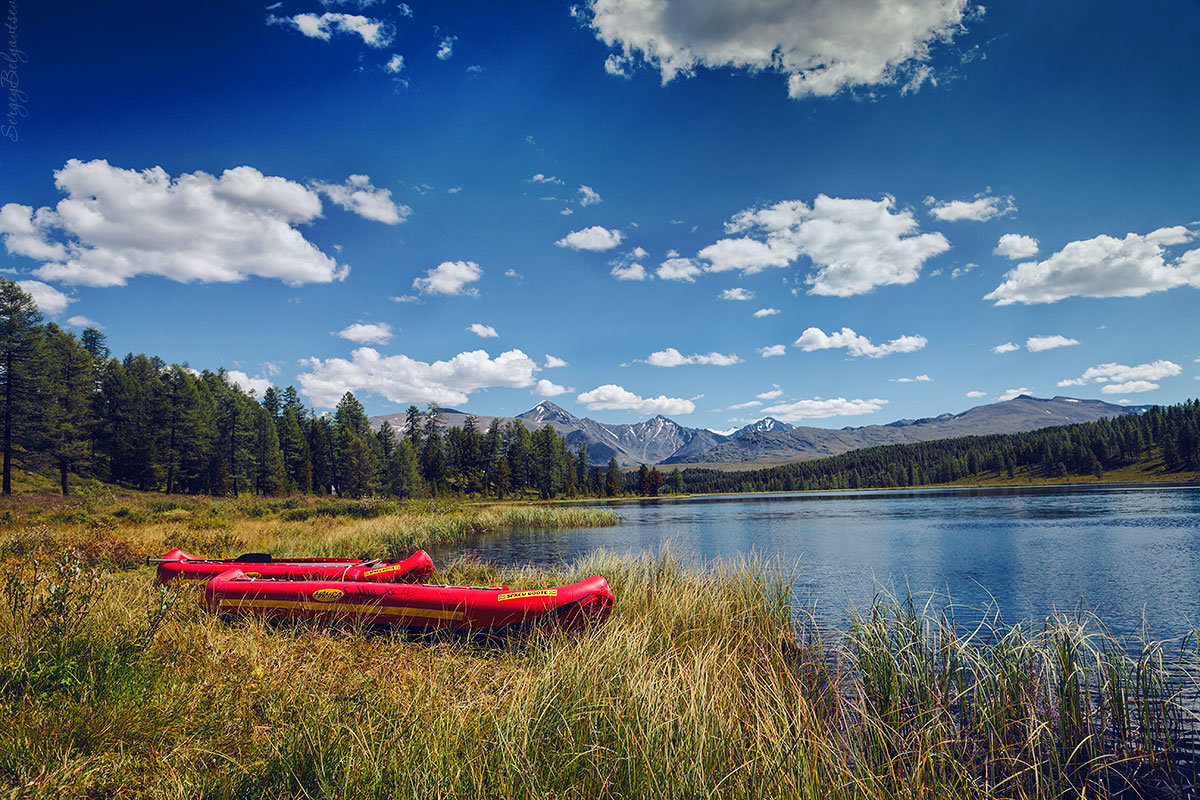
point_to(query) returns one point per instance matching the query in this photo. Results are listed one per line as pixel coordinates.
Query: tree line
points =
(71, 409)
(1170, 433)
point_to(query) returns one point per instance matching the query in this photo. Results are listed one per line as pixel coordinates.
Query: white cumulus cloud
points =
(367, 333)
(257, 385)
(483, 331)
(589, 196)
(405, 380)
(611, 397)
(1129, 387)
(855, 244)
(1113, 373)
(554, 362)
(765, 312)
(395, 64)
(360, 197)
(629, 272)
(79, 321)
(818, 408)
(49, 300)
(678, 269)
(1015, 246)
(545, 388)
(857, 345)
(673, 358)
(116, 224)
(917, 379)
(541, 178)
(737, 293)
(821, 46)
(770, 351)
(1012, 394)
(1007, 347)
(1036, 344)
(446, 48)
(450, 278)
(976, 393)
(596, 239)
(1103, 267)
(981, 209)
(773, 394)
(374, 32)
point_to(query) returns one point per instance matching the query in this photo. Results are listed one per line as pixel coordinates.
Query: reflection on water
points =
(1124, 553)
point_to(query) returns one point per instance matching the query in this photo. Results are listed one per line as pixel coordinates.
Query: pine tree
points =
(676, 481)
(643, 480)
(19, 353)
(403, 478)
(654, 482)
(612, 481)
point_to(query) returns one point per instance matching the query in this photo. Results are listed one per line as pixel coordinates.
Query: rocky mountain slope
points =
(663, 441)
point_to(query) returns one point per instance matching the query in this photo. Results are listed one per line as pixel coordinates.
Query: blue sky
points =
(358, 195)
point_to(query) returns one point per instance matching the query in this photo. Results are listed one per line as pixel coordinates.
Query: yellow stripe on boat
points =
(358, 608)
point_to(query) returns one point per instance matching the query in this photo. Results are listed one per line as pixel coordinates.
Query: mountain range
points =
(661, 440)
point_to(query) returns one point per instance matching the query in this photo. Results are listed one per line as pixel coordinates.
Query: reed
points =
(706, 682)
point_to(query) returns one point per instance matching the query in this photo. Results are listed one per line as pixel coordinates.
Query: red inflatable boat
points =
(178, 565)
(411, 605)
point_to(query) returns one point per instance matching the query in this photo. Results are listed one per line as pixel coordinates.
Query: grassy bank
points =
(702, 684)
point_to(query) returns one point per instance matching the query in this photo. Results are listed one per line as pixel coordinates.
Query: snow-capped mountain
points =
(661, 440)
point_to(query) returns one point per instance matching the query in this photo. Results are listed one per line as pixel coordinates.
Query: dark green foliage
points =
(20, 384)
(1085, 450)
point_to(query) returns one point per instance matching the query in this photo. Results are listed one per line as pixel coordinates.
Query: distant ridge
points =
(661, 440)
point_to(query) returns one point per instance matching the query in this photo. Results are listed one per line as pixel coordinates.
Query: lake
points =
(1129, 554)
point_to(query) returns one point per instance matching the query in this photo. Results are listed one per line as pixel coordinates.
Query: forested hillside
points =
(1170, 434)
(70, 409)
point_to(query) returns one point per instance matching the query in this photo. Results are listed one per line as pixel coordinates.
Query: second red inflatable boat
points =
(178, 565)
(409, 605)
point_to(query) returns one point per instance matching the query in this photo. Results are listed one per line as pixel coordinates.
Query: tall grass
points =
(705, 682)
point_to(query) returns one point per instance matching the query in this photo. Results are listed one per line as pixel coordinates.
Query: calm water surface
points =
(1127, 554)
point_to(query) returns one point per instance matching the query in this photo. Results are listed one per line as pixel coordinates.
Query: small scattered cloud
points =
(1117, 376)
(737, 293)
(395, 64)
(766, 312)
(976, 393)
(358, 196)
(366, 333)
(1036, 344)
(566, 212)
(770, 351)
(1012, 394)
(856, 345)
(673, 358)
(78, 321)
(482, 331)
(958, 272)
(629, 272)
(450, 278)
(454, 190)
(589, 196)
(1014, 246)
(917, 379)
(545, 388)
(773, 394)
(743, 406)
(611, 397)
(595, 239)
(818, 408)
(554, 362)
(373, 32)
(541, 178)
(1007, 347)
(512, 273)
(446, 48)
(678, 269)
(474, 70)
(983, 208)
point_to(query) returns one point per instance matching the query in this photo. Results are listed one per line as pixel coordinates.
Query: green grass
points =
(705, 682)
